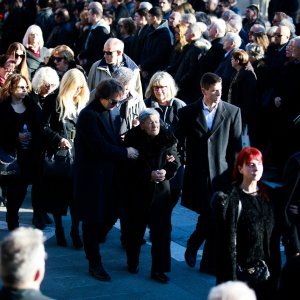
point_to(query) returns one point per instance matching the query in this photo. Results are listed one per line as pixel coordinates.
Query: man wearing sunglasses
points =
(114, 58)
(97, 170)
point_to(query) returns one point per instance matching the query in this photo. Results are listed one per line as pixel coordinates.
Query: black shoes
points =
(160, 277)
(99, 273)
(60, 237)
(190, 257)
(74, 234)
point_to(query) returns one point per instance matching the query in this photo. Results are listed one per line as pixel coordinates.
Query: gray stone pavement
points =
(67, 270)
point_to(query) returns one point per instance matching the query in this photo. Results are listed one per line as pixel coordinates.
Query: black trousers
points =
(93, 234)
(158, 217)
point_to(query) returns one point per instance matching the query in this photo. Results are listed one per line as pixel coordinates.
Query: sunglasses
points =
(58, 59)
(278, 34)
(19, 55)
(23, 87)
(113, 102)
(109, 52)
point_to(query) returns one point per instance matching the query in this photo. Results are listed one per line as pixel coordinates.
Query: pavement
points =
(67, 274)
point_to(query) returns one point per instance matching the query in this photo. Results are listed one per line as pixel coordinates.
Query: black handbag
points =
(253, 273)
(9, 166)
(58, 165)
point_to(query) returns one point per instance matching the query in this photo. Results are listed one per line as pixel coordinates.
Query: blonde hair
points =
(162, 77)
(33, 29)
(70, 103)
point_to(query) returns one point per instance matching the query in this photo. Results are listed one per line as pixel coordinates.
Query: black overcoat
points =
(98, 153)
(211, 151)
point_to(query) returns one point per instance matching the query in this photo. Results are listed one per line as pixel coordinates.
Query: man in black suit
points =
(209, 133)
(96, 169)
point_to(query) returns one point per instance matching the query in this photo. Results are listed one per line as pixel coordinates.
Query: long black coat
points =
(209, 152)
(98, 154)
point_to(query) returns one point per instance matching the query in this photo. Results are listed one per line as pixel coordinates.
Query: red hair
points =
(244, 157)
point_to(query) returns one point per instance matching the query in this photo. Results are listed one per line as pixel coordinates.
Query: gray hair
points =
(22, 253)
(255, 50)
(233, 290)
(235, 23)
(158, 78)
(188, 18)
(44, 75)
(197, 29)
(289, 24)
(146, 113)
(233, 38)
(123, 75)
(220, 25)
(33, 29)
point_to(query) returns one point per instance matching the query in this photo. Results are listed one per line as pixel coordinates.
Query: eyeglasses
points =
(109, 52)
(278, 35)
(156, 88)
(58, 59)
(114, 102)
(23, 87)
(19, 55)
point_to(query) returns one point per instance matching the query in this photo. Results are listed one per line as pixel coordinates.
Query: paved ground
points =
(67, 276)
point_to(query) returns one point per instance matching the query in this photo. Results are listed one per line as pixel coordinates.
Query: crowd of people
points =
(166, 100)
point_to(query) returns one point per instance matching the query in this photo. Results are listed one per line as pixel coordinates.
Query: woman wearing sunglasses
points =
(17, 52)
(62, 59)
(17, 112)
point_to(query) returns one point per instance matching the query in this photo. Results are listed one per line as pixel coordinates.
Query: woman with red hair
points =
(245, 223)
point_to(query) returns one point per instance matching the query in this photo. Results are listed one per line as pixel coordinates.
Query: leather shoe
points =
(99, 273)
(160, 277)
(190, 257)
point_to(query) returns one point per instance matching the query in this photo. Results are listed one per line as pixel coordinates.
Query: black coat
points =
(244, 231)
(141, 191)
(243, 93)
(11, 124)
(157, 48)
(96, 166)
(207, 152)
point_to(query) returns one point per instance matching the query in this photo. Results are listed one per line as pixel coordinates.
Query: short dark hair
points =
(156, 11)
(143, 12)
(108, 88)
(209, 79)
(254, 8)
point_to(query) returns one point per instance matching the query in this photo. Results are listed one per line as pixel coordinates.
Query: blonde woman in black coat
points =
(148, 194)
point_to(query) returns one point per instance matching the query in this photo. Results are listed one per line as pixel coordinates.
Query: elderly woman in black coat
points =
(148, 195)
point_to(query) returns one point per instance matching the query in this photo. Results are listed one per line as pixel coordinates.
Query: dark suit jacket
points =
(208, 153)
(98, 154)
(22, 294)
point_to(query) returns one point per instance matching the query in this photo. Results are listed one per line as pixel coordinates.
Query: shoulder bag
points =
(9, 166)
